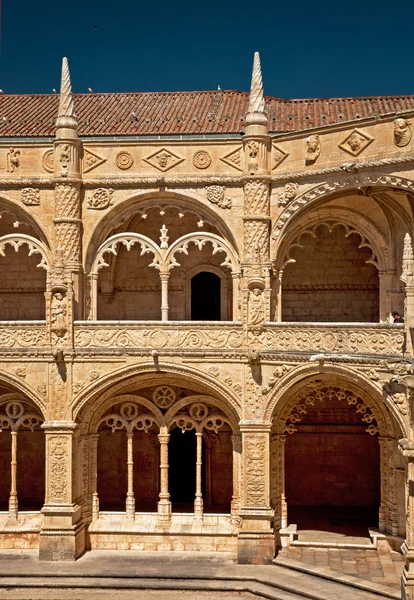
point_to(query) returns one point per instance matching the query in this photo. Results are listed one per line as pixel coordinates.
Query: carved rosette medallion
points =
(124, 160)
(100, 199)
(48, 161)
(164, 159)
(356, 142)
(30, 197)
(164, 396)
(201, 159)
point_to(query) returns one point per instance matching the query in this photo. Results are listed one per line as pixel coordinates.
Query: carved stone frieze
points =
(201, 159)
(30, 196)
(101, 198)
(23, 337)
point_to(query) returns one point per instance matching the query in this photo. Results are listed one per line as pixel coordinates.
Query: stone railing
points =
(343, 338)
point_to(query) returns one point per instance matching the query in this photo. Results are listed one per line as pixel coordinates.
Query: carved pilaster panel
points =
(59, 469)
(67, 200)
(256, 198)
(255, 471)
(256, 239)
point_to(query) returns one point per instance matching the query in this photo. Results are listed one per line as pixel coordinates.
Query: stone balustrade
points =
(361, 338)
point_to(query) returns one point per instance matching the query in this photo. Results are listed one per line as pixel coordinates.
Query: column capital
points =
(59, 426)
(253, 426)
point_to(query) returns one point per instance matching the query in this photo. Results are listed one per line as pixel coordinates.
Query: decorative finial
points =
(66, 113)
(407, 261)
(256, 100)
(408, 249)
(256, 114)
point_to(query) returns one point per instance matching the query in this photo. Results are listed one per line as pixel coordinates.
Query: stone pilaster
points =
(407, 277)
(67, 167)
(62, 536)
(256, 540)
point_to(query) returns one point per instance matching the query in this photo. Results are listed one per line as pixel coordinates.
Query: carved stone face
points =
(313, 143)
(354, 142)
(163, 159)
(402, 132)
(256, 292)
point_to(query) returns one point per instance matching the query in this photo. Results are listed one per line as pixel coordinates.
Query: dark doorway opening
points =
(182, 449)
(205, 297)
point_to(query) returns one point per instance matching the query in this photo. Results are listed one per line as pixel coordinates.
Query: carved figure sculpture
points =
(59, 313)
(313, 148)
(256, 309)
(13, 160)
(253, 152)
(402, 132)
(64, 159)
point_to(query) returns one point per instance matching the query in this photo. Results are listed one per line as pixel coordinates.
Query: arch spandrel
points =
(126, 380)
(284, 396)
(136, 202)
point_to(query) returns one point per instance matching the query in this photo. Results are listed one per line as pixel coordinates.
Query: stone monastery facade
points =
(196, 339)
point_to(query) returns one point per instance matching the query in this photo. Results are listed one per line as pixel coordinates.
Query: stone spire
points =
(256, 114)
(66, 119)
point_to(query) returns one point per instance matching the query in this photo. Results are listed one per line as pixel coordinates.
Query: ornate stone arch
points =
(23, 391)
(22, 213)
(327, 189)
(332, 216)
(34, 245)
(197, 399)
(105, 404)
(282, 399)
(137, 201)
(220, 245)
(128, 240)
(120, 381)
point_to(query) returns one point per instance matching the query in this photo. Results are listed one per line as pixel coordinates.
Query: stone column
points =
(130, 499)
(385, 285)
(256, 540)
(164, 504)
(236, 441)
(13, 501)
(407, 578)
(93, 282)
(93, 475)
(236, 296)
(383, 509)
(62, 536)
(278, 443)
(198, 502)
(164, 295)
(408, 278)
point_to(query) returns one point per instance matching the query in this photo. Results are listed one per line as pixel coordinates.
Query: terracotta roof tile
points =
(169, 113)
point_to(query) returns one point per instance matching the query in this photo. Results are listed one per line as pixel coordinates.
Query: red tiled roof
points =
(169, 113)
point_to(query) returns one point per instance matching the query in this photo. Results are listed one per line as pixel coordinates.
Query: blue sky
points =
(308, 49)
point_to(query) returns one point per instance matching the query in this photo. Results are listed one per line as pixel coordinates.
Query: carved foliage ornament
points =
(59, 468)
(30, 197)
(124, 160)
(288, 194)
(201, 159)
(100, 199)
(402, 132)
(215, 195)
(255, 468)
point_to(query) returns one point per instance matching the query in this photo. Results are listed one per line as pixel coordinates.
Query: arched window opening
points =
(205, 297)
(331, 278)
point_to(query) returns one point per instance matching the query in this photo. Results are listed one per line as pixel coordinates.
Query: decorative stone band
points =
(370, 339)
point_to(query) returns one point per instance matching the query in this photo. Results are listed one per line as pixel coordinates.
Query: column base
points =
(63, 535)
(256, 542)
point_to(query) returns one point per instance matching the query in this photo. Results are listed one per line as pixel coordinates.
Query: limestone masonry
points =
(196, 341)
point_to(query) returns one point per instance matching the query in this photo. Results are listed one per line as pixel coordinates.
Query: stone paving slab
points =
(214, 573)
